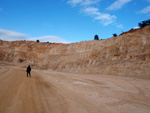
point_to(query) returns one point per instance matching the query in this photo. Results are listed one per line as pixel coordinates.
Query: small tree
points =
(144, 23)
(115, 35)
(96, 37)
(37, 40)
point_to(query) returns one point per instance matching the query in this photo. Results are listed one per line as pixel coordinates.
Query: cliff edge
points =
(126, 55)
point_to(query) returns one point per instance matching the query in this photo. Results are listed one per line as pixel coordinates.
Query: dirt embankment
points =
(57, 92)
(125, 55)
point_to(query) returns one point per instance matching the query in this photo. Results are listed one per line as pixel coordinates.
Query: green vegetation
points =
(114, 35)
(96, 37)
(144, 23)
(37, 40)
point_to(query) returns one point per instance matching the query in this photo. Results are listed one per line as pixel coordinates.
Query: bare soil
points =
(57, 92)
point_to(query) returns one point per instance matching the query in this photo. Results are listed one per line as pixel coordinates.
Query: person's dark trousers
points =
(29, 74)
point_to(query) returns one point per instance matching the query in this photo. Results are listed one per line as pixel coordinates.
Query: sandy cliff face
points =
(125, 55)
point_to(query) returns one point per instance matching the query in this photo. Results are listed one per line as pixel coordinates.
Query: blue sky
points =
(69, 20)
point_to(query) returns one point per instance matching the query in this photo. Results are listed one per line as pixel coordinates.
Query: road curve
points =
(56, 92)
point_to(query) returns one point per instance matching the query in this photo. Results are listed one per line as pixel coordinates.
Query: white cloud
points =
(82, 2)
(12, 36)
(88, 7)
(74, 2)
(118, 4)
(90, 2)
(91, 11)
(145, 10)
(120, 26)
(136, 27)
(148, 0)
(104, 18)
(53, 39)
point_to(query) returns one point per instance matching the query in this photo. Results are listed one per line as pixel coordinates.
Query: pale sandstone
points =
(125, 55)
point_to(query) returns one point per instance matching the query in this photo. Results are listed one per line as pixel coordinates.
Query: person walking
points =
(28, 70)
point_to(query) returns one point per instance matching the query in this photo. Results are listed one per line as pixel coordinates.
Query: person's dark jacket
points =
(28, 69)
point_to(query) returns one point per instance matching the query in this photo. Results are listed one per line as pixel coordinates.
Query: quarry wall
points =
(125, 55)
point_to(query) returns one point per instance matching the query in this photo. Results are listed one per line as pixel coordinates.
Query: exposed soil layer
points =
(49, 91)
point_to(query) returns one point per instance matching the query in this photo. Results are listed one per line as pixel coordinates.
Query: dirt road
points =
(56, 92)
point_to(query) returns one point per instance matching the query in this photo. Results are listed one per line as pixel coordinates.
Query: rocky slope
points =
(125, 55)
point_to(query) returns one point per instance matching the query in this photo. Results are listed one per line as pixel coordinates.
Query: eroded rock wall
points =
(125, 55)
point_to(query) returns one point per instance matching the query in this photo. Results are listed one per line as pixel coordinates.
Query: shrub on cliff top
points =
(114, 35)
(96, 37)
(37, 40)
(144, 23)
